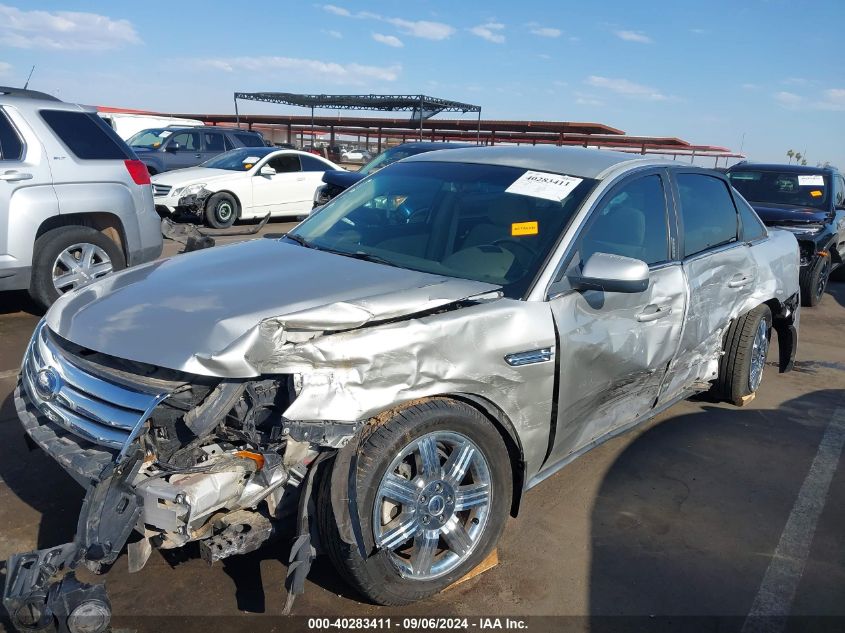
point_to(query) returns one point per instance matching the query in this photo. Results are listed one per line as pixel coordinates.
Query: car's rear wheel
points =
(434, 486)
(746, 348)
(813, 281)
(68, 258)
(221, 211)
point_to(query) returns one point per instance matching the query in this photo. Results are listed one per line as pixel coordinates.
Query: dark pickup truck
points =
(807, 201)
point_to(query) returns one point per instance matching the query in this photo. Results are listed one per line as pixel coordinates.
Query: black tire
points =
(221, 211)
(734, 381)
(377, 577)
(50, 245)
(813, 281)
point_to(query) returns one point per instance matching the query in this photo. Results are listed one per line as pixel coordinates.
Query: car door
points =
(280, 193)
(27, 197)
(614, 348)
(720, 271)
(184, 149)
(313, 169)
(212, 144)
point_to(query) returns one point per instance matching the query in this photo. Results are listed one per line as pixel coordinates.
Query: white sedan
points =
(355, 156)
(241, 184)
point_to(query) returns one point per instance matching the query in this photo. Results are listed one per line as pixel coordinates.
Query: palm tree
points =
(790, 153)
(804, 162)
(798, 157)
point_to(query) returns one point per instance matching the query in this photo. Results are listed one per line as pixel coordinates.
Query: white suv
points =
(75, 202)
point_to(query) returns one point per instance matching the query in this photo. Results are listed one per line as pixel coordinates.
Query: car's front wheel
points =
(434, 488)
(221, 211)
(813, 281)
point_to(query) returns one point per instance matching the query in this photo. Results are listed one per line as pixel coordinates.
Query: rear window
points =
(85, 135)
(11, 147)
(250, 140)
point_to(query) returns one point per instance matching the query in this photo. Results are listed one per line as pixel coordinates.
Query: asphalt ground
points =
(708, 511)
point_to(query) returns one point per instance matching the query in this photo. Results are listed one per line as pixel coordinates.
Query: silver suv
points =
(75, 202)
(446, 334)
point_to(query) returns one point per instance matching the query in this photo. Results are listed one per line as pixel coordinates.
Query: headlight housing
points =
(189, 190)
(322, 195)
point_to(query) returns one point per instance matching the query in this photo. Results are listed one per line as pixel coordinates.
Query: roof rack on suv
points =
(29, 94)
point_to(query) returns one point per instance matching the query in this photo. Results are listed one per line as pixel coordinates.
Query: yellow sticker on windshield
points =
(816, 194)
(524, 228)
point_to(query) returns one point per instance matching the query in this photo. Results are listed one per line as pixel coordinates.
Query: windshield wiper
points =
(293, 237)
(369, 257)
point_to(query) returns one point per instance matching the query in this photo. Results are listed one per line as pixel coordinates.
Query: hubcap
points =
(758, 355)
(79, 265)
(224, 211)
(432, 505)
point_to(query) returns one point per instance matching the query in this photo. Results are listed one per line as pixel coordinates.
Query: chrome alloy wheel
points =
(432, 505)
(759, 350)
(78, 265)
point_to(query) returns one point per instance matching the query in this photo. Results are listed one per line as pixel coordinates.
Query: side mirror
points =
(173, 147)
(267, 171)
(612, 273)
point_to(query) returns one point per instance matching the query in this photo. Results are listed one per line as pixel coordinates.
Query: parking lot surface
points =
(707, 510)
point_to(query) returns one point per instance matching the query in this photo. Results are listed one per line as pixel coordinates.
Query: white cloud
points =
(588, 100)
(834, 99)
(390, 40)
(546, 31)
(337, 10)
(330, 71)
(544, 56)
(5, 67)
(417, 28)
(626, 88)
(331, 33)
(750, 86)
(63, 30)
(789, 99)
(491, 31)
(698, 31)
(633, 36)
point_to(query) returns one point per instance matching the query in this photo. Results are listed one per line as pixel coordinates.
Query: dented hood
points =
(186, 312)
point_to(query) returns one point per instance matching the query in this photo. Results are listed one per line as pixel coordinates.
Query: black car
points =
(339, 181)
(163, 149)
(809, 202)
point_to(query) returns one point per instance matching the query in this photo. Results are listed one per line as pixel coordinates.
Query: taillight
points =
(138, 171)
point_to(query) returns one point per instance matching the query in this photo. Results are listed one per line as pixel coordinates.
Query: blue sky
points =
(764, 75)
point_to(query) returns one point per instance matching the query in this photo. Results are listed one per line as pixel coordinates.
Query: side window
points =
(707, 211)
(11, 146)
(213, 142)
(632, 223)
(188, 141)
(752, 227)
(229, 143)
(86, 135)
(309, 163)
(249, 140)
(285, 163)
(840, 194)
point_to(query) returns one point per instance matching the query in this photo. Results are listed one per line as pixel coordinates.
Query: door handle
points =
(14, 176)
(300, 178)
(739, 283)
(653, 312)
(198, 155)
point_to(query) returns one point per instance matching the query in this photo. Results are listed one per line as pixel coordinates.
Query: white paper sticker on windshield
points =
(811, 180)
(538, 184)
(164, 134)
(251, 159)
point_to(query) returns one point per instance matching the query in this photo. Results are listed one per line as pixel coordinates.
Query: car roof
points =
(574, 161)
(432, 145)
(798, 169)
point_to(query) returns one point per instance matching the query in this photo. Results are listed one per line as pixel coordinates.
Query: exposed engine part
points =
(237, 533)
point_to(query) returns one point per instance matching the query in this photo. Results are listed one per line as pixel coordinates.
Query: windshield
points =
(151, 139)
(388, 157)
(242, 159)
(776, 187)
(453, 219)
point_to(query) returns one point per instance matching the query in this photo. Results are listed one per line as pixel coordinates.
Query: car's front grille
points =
(161, 191)
(92, 407)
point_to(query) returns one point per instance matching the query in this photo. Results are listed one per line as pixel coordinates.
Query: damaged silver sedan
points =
(386, 380)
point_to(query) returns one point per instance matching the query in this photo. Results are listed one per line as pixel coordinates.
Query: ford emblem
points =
(48, 383)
